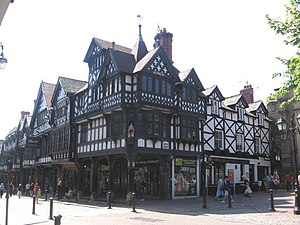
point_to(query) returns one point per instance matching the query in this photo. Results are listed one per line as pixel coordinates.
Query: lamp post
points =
(3, 60)
(282, 126)
(7, 189)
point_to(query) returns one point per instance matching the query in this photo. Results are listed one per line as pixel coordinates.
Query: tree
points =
(290, 29)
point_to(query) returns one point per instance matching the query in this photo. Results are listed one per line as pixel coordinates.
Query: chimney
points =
(247, 92)
(164, 39)
(23, 114)
(113, 45)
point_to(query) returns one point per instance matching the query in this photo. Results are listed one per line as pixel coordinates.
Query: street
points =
(165, 212)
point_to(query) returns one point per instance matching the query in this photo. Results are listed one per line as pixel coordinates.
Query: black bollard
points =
(297, 201)
(109, 199)
(57, 219)
(272, 209)
(133, 201)
(51, 209)
(229, 199)
(33, 204)
(46, 195)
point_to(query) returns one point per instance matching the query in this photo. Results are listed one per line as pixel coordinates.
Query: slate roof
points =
(71, 85)
(209, 91)
(125, 62)
(106, 44)
(232, 100)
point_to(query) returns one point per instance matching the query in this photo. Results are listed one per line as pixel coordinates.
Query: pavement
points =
(164, 212)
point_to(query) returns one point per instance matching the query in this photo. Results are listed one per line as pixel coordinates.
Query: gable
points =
(157, 62)
(59, 93)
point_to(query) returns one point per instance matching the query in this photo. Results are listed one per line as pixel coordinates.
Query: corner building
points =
(139, 120)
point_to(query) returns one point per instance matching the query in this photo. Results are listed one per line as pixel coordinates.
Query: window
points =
(159, 87)
(84, 133)
(189, 129)
(117, 124)
(218, 139)
(239, 142)
(240, 114)
(156, 124)
(214, 107)
(189, 94)
(41, 117)
(257, 145)
(261, 119)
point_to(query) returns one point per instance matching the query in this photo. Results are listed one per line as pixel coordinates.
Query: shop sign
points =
(32, 142)
(185, 162)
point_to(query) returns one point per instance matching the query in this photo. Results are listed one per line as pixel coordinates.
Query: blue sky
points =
(229, 43)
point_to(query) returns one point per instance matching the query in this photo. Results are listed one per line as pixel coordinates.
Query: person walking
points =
(37, 192)
(276, 181)
(288, 180)
(19, 191)
(220, 190)
(227, 189)
(248, 192)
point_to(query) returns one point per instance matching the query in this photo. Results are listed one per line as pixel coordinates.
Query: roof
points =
(106, 44)
(209, 90)
(48, 91)
(125, 62)
(71, 85)
(232, 100)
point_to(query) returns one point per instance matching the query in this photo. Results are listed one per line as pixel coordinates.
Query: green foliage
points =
(290, 29)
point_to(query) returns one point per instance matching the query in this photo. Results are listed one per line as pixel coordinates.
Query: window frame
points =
(240, 141)
(219, 141)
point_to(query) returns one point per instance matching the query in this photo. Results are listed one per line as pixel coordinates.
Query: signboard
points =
(32, 142)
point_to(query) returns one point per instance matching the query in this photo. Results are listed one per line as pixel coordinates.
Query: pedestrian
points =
(276, 181)
(2, 189)
(27, 189)
(220, 190)
(31, 192)
(19, 191)
(269, 182)
(59, 190)
(11, 188)
(248, 192)
(288, 180)
(227, 188)
(37, 192)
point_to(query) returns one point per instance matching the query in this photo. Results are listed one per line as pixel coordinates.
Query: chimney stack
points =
(164, 39)
(247, 92)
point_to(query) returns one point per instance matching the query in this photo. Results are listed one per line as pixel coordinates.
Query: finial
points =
(140, 19)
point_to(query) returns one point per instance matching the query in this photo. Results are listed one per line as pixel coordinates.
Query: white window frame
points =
(241, 114)
(257, 143)
(214, 107)
(219, 137)
(240, 143)
(261, 119)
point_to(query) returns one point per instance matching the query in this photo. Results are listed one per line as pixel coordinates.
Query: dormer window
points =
(214, 107)
(261, 119)
(241, 113)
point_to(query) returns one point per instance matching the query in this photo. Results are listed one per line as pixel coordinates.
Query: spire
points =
(139, 50)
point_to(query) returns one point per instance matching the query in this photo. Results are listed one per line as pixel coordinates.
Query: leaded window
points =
(189, 129)
(218, 139)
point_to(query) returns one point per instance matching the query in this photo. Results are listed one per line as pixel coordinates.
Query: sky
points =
(228, 43)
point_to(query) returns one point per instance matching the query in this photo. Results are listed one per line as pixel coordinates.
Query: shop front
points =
(185, 178)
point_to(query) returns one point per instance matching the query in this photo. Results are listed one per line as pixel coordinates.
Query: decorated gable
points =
(159, 66)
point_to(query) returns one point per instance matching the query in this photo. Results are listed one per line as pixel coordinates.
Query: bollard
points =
(204, 204)
(272, 209)
(51, 209)
(229, 199)
(46, 195)
(297, 201)
(33, 204)
(57, 219)
(109, 199)
(133, 201)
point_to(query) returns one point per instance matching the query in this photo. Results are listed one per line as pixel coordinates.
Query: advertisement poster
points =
(231, 175)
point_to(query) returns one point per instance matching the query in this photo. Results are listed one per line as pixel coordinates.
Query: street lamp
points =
(3, 60)
(8, 165)
(282, 126)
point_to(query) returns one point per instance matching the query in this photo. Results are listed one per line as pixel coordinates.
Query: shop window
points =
(185, 177)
